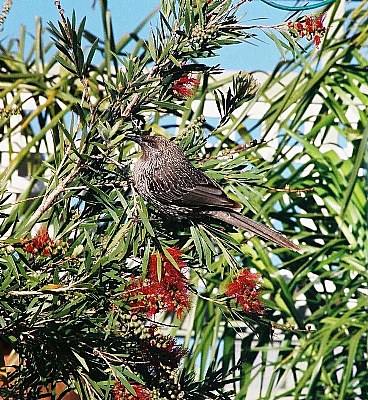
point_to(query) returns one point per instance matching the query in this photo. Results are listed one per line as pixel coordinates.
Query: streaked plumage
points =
(168, 181)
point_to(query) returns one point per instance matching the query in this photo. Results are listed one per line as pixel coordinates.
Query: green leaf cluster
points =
(65, 315)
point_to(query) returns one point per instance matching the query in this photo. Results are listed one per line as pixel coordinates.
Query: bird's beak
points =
(136, 139)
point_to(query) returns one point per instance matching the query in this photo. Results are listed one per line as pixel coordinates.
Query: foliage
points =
(65, 294)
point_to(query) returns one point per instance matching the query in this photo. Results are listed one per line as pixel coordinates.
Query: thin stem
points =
(137, 96)
(48, 201)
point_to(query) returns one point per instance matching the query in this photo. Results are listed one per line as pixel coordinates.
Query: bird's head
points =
(156, 146)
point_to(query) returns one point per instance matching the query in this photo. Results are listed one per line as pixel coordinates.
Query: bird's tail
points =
(241, 221)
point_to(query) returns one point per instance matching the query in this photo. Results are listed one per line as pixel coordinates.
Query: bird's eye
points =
(150, 142)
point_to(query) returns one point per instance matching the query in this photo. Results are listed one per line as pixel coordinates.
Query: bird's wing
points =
(190, 187)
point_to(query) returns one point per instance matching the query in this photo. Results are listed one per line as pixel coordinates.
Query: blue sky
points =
(127, 14)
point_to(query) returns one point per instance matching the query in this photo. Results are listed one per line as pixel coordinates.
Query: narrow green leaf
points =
(81, 360)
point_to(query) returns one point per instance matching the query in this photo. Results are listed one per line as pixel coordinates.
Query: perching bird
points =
(168, 181)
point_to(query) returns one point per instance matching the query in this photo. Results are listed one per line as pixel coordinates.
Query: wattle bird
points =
(168, 181)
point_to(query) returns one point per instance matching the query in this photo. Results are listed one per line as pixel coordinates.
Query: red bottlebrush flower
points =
(120, 392)
(317, 40)
(29, 248)
(318, 22)
(185, 86)
(168, 272)
(42, 243)
(168, 292)
(299, 26)
(245, 289)
(309, 27)
(47, 251)
(42, 238)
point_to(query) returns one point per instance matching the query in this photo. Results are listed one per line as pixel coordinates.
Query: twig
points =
(47, 202)
(27, 199)
(61, 13)
(137, 96)
(4, 12)
(286, 189)
(237, 5)
(230, 152)
(45, 291)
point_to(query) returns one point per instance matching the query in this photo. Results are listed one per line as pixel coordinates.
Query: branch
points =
(48, 201)
(137, 96)
(45, 291)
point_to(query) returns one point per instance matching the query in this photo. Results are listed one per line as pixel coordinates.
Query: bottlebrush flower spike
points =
(245, 290)
(120, 392)
(165, 348)
(42, 244)
(185, 86)
(309, 27)
(169, 292)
